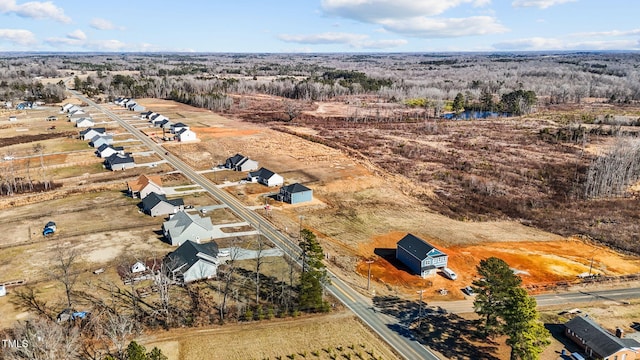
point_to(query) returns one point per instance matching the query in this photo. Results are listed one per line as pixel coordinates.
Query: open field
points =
(316, 337)
(361, 208)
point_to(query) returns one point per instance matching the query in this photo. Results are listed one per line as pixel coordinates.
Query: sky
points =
(318, 26)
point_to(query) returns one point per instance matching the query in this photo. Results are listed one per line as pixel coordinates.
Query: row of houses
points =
(181, 226)
(292, 194)
(197, 255)
(115, 158)
(78, 115)
(129, 104)
(177, 131)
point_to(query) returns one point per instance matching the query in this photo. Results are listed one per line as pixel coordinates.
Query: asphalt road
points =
(569, 299)
(387, 328)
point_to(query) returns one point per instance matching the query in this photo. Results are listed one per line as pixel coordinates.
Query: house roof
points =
(176, 125)
(295, 188)
(119, 159)
(262, 173)
(418, 247)
(153, 199)
(189, 253)
(182, 220)
(600, 340)
(184, 131)
(142, 181)
(88, 130)
(236, 159)
(101, 139)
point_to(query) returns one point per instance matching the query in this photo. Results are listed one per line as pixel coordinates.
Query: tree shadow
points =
(449, 334)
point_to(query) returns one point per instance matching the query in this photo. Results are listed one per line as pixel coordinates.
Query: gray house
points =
(101, 139)
(420, 256)
(158, 205)
(240, 162)
(183, 226)
(192, 261)
(119, 162)
(88, 134)
(295, 193)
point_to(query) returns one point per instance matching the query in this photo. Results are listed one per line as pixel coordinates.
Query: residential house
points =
(76, 110)
(119, 162)
(144, 185)
(240, 162)
(85, 122)
(66, 107)
(175, 128)
(146, 114)
(183, 226)
(135, 107)
(158, 205)
(186, 135)
(598, 343)
(77, 117)
(88, 134)
(165, 124)
(104, 150)
(192, 261)
(295, 193)
(100, 140)
(420, 256)
(266, 177)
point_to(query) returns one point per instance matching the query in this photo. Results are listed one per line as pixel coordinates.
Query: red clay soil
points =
(536, 262)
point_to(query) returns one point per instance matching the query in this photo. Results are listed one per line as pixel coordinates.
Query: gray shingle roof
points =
(295, 188)
(600, 340)
(418, 247)
(188, 251)
(153, 199)
(262, 173)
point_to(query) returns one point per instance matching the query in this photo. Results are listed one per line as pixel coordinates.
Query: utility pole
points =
(420, 311)
(369, 274)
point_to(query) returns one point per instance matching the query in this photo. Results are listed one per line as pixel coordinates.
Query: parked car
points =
(449, 273)
(468, 290)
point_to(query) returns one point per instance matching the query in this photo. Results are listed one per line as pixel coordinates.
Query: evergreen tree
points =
(136, 351)
(496, 279)
(314, 274)
(458, 103)
(507, 309)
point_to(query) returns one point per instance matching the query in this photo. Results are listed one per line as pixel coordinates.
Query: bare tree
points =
(65, 270)
(39, 148)
(117, 330)
(43, 339)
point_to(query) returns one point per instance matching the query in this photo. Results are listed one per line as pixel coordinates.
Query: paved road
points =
(387, 328)
(570, 299)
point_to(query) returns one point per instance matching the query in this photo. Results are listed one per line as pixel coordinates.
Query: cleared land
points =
(360, 210)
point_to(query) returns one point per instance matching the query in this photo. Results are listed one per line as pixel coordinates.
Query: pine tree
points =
(507, 309)
(458, 103)
(314, 274)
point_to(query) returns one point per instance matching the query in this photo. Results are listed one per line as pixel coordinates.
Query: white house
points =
(186, 135)
(266, 177)
(85, 122)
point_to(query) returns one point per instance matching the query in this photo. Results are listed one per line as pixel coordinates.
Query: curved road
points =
(387, 328)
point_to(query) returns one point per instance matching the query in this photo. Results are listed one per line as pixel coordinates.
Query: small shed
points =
(13, 118)
(3, 290)
(138, 267)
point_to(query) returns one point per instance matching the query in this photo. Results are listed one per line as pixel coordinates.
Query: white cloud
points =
(77, 35)
(427, 27)
(375, 10)
(17, 36)
(106, 45)
(633, 32)
(538, 43)
(542, 4)
(103, 24)
(353, 40)
(34, 10)
(416, 18)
